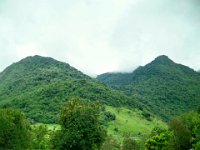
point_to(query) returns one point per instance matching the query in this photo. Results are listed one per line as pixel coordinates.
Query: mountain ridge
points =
(162, 84)
(40, 85)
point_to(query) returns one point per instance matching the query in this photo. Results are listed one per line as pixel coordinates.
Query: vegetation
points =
(128, 143)
(39, 86)
(96, 116)
(41, 137)
(159, 141)
(126, 124)
(15, 130)
(182, 134)
(80, 126)
(130, 121)
(81, 118)
(110, 143)
(163, 87)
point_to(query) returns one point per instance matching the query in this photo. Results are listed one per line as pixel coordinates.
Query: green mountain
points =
(40, 85)
(164, 87)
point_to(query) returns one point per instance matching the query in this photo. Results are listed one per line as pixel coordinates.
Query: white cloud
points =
(97, 36)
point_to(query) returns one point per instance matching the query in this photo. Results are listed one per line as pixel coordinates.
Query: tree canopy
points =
(14, 130)
(80, 126)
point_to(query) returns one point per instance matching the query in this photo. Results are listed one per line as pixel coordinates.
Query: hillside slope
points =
(40, 85)
(165, 87)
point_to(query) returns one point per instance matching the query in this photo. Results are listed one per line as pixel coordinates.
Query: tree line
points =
(82, 128)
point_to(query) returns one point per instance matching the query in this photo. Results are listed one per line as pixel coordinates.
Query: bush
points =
(40, 135)
(14, 130)
(147, 115)
(109, 116)
(197, 146)
(158, 142)
(110, 144)
(128, 143)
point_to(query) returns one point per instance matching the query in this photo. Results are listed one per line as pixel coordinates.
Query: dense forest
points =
(47, 104)
(164, 87)
(39, 86)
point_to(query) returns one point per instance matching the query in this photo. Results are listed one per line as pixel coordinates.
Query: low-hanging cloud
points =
(97, 36)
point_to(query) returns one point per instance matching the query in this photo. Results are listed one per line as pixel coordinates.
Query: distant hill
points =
(40, 85)
(164, 87)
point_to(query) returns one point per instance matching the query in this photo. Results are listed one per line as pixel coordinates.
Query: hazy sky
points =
(98, 36)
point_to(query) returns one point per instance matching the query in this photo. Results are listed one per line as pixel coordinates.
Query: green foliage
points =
(159, 142)
(157, 131)
(182, 136)
(128, 143)
(39, 86)
(192, 121)
(40, 137)
(159, 139)
(197, 146)
(109, 116)
(130, 121)
(80, 126)
(163, 87)
(110, 143)
(147, 115)
(14, 130)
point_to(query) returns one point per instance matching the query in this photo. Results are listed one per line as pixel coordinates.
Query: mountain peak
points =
(162, 59)
(40, 85)
(36, 58)
(39, 66)
(38, 61)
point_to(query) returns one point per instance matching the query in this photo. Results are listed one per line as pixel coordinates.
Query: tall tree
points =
(14, 130)
(80, 126)
(182, 135)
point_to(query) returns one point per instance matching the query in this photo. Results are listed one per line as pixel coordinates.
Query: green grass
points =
(49, 126)
(53, 126)
(130, 122)
(127, 122)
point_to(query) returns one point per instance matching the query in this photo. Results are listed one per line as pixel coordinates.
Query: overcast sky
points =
(98, 36)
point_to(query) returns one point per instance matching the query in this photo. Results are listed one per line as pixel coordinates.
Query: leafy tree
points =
(192, 121)
(128, 143)
(14, 130)
(157, 130)
(160, 141)
(80, 126)
(182, 136)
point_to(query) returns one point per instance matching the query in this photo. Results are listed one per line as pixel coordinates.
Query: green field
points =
(49, 126)
(127, 121)
(130, 122)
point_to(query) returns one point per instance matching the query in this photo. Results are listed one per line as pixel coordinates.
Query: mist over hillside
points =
(166, 88)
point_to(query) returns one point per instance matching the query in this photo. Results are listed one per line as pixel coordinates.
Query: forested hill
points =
(40, 85)
(165, 87)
